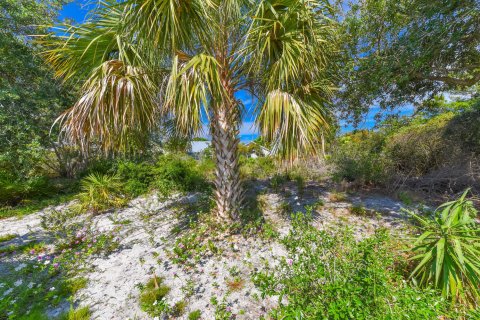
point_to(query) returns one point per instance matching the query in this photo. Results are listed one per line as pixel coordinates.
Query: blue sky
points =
(78, 10)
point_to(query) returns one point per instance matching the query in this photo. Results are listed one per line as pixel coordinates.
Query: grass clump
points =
(195, 315)
(100, 192)
(7, 237)
(77, 314)
(179, 308)
(152, 297)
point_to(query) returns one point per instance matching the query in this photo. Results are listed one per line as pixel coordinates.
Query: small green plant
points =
(405, 198)
(7, 237)
(448, 251)
(100, 192)
(360, 210)
(195, 315)
(178, 308)
(152, 297)
(76, 314)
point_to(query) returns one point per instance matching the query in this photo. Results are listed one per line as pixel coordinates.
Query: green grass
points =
(76, 314)
(7, 237)
(32, 206)
(37, 246)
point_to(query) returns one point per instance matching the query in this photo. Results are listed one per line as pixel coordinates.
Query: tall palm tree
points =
(179, 60)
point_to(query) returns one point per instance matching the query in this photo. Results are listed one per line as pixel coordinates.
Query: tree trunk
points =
(228, 193)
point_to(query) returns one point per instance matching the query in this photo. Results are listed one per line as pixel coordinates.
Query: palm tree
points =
(181, 60)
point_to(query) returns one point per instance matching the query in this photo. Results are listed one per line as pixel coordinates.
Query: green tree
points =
(403, 51)
(176, 60)
(30, 99)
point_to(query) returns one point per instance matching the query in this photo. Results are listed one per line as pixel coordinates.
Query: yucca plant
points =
(448, 251)
(171, 61)
(100, 192)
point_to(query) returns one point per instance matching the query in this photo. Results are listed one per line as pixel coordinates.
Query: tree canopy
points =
(404, 51)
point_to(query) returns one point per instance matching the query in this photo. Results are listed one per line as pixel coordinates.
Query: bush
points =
(448, 252)
(358, 157)
(100, 192)
(13, 191)
(257, 168)
(137, 177)
(331, 276)
(176, 173)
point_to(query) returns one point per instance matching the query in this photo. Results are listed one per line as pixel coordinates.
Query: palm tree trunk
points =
(228, 193)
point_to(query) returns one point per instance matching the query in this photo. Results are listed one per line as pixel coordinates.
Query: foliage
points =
(331, 276)
(401, 51)
(136, 177)
(432, 151)
(448, 252)
(101, 192)
(257, 168)
(30, 98)
(77, 314)
(357, 157)
(195, 315)
(177, 173)
(152, 297)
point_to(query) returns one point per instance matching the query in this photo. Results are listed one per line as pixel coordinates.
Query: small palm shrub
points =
(448, 251)
(100, 192)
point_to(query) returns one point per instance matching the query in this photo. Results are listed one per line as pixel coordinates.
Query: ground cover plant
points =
(329, 275)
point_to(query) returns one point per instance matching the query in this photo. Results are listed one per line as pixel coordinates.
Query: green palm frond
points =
(169, 25)
(118, 105)
(192, 86)
(288, 47)
(79, 49)
(293, 122)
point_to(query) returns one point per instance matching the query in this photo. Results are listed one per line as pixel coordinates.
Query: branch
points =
(453, 81)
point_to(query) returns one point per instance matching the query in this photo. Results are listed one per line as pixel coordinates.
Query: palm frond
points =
(289, 45)
(118, 106)
(192, 86)
(79, 49)
(169, 25)
(294, 123)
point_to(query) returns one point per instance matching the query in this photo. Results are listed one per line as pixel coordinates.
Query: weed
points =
(235, 284)
(195, 315)
(178, 308)
(7, 237)
(76, 314)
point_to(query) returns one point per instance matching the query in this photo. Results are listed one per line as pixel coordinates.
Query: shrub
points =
(100, 192)
(358, 157)
(331, 276)
(448, 252)
(176, 173)
(14, 190)
(137, 177)
(257, 168)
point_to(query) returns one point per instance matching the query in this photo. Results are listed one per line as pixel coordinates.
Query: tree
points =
(29, 97)
(404, 51)
(145, 60)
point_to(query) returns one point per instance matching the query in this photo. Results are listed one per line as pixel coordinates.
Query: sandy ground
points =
(112, 291)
